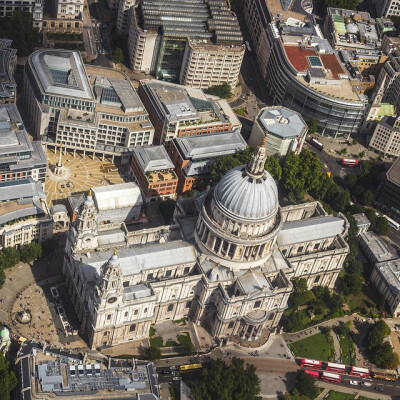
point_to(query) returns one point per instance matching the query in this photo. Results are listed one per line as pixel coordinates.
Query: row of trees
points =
(380, 351)
(8, 380)
(227, 382)
(19, 29)
(304, 387)
(320, 301)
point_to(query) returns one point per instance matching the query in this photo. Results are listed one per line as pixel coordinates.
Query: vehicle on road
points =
(177, 378)
(348, 162)
(384, 377)
(173, 368)
(315, 143)
(392, 223)
(379, 388)
(314, 374)
(355, 383)
(330, 377)
(307, 363)
(362, 372)
(190, 367)
(336, 367)
(366, 384)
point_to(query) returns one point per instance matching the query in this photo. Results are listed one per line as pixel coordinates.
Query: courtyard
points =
(78, 174)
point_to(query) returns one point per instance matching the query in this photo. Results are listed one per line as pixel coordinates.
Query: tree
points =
(273, 167)
(31, 252)
(301, 295)
(352, 284)
(381, 226)
(361, 154)
(2, 277)
(11, 257)
(154, 353)
(385, 357)
(167, 208)
(19, 29)
(118, 55)
(370, 214)
(343, 200)
(377, 332)
(224, 91)
(224, 164)
(343, 151)
(305, 385)
(355, 267)
(312, 126)
(227, 382)
(367, 198)
(350, 180)
(8, 380)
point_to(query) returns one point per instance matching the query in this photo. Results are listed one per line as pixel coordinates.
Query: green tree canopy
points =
(8, 380)
(227, 382)
(224, 90)
(381, 226)
(118, 55)
(350, 180)
(367, 198)
(385, 357)
(343, 200)
(11, 257)
(305, 385)
(377, 332)
(312, 126)
(19, 29)
(352, 284)
(273, 167)
(31, 252)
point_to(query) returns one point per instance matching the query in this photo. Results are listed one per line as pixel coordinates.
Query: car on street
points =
(355, 383)
(177, 378)
(379, 388)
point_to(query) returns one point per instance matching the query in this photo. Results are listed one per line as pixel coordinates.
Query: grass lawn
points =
(333, 395)
(156, 341)
(181, 322)
(365, 398)
(316, 347)
(152, 331)
(347, 348)
(184, 339)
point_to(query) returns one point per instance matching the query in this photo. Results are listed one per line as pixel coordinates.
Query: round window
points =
(112, 300)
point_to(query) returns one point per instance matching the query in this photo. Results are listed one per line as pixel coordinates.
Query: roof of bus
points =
(330, 374)
(329, 364)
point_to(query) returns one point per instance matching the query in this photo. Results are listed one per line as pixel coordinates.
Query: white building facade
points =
(225, 263)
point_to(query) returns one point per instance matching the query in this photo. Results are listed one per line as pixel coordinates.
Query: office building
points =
(387, 8)
(193, 156)
(69, 9)
(24, 214)
(225, 263)
(389, 194)
(307, 77)
(284, 130)
(374, 248)
(386, 278)
(386, 138)
(8, 86)
(20, 158)
(153, 170)
(203, 49)
(362, 223)
(349, 29)
(92, 110)
(177, 111)
(35, 7)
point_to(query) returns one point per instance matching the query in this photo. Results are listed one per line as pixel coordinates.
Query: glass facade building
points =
(335, 116)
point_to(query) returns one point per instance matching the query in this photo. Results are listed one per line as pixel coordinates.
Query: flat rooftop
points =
(210, 146)
(393, 175)
(294, 11)
(282, 122)
(154, 158)
(376, 246)
(390, 270)
(61, 73)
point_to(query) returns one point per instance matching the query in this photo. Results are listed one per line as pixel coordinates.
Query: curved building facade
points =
(336, 108)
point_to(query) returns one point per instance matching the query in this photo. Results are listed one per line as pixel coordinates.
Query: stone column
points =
(245, 328)
(251, 332)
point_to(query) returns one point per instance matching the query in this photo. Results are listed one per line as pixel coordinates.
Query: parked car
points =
(355, 383)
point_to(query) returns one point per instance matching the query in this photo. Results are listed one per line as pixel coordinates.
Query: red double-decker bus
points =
(330, 377)
(362, 372)
(347, 162)
(314, 374)
(336, 367)
(307, 363)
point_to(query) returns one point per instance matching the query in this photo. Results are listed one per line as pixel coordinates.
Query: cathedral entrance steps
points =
(251, 344)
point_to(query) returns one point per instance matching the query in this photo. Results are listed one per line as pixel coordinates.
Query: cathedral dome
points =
(248, 192)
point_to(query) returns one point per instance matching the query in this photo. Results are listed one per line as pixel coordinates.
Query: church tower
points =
(109, 288)
(86, 226)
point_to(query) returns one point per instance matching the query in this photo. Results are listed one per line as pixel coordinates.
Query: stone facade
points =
(225, 262)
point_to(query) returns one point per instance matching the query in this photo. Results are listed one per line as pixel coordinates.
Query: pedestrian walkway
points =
(357, 392)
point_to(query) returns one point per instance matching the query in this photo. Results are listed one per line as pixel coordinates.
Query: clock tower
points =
(86, 226)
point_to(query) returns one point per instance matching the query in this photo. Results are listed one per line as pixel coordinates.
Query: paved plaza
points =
(79, 174)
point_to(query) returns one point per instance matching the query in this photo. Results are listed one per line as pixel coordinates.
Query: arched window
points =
(132, 328)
